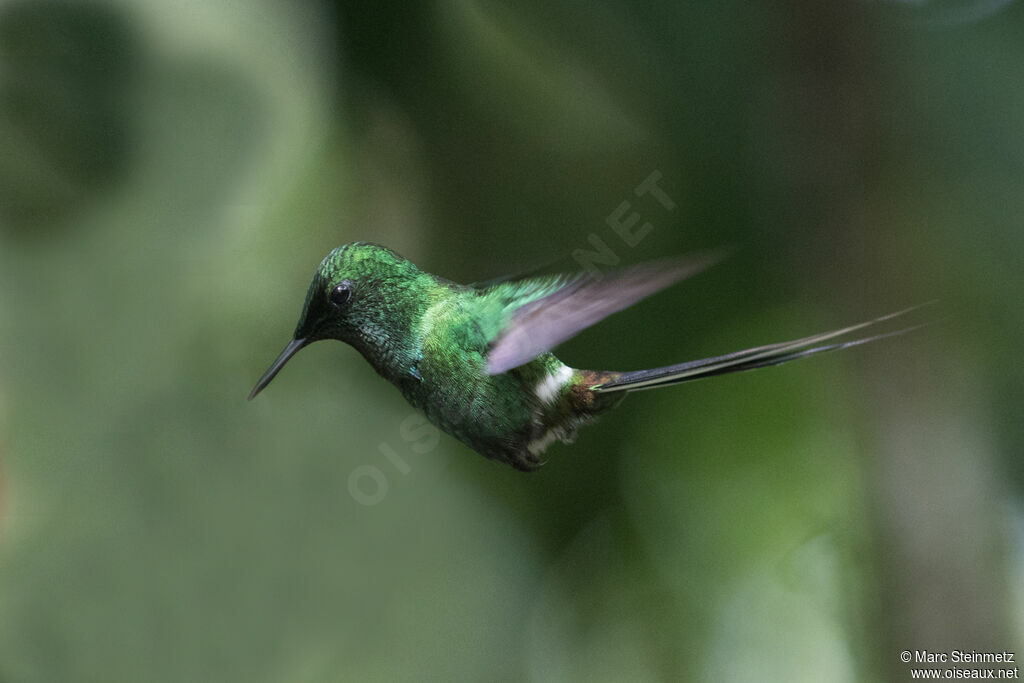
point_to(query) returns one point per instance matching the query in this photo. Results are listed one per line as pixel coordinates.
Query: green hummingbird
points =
(476, 359)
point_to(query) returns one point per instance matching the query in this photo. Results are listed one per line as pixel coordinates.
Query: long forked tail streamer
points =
(750, 359)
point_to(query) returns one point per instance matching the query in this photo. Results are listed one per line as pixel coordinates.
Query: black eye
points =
(339, 295)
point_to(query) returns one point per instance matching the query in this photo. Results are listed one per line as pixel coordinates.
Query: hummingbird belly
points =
(511, 417)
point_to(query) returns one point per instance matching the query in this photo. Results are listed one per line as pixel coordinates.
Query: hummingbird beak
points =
(293, 347)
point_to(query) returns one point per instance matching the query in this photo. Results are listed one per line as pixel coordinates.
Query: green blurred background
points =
(171, 173)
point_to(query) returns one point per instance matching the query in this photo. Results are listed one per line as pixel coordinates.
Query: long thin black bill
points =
(293, 347)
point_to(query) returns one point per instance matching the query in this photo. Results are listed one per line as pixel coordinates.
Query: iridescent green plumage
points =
(476, 359)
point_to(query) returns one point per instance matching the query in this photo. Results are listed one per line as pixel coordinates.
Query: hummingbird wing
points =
(536, 315)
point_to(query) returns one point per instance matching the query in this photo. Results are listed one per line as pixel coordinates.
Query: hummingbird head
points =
(363, 294)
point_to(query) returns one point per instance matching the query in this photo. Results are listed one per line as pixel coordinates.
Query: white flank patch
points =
(547, 389)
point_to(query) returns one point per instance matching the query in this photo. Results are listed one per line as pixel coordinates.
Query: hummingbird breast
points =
(511, 417)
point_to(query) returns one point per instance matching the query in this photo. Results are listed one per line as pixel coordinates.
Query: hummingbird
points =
(476, 359)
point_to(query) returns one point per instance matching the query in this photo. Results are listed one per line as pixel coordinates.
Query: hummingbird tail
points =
(748, 359)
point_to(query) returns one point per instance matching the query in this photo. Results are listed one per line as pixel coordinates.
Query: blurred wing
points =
(553, 310)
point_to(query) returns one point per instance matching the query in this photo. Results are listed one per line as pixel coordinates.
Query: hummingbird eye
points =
(339, 296)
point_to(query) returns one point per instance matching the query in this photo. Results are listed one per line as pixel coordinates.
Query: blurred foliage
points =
(66, 72)
(172, 173)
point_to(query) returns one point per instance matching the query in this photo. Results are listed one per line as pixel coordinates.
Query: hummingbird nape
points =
(477, 359)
